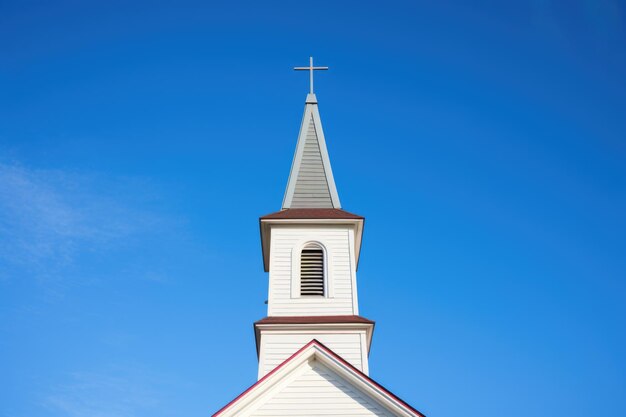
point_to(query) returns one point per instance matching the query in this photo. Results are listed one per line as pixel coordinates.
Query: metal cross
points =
(310, 68)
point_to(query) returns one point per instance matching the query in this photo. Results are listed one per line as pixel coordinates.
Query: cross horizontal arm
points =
(309, 68)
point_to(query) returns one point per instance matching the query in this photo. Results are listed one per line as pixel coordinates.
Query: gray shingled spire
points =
(311, 183)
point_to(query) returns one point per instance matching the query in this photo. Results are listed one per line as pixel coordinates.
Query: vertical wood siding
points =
(318, 391)
(336, 240)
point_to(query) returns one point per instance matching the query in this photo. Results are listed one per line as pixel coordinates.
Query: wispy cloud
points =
(47, 217)
(114, 393)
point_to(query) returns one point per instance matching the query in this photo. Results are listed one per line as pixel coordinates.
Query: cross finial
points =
(310, 68)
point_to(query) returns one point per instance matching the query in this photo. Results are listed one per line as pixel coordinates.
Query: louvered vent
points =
(312, 270)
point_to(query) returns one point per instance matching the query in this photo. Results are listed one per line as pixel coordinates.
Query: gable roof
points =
(264, 388)
(311, 183)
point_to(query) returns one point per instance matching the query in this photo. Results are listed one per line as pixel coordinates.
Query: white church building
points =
(313, 346)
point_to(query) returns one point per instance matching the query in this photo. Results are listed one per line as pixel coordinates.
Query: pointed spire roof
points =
(311, 183)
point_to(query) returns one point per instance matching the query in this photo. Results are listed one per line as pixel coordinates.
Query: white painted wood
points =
(365, 368)
(277, 346)
(356, 226)
(353, 265)
(318, 391)
(335, 381)
(286, 242)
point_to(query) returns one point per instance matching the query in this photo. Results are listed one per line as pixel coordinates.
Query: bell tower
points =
(311, 250)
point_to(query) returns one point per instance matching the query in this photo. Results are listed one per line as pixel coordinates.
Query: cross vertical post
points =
(310, 68)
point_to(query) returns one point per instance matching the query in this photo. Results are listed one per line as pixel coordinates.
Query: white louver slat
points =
(312, 271)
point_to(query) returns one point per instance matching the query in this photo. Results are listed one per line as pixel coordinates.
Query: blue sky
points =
(484, 142)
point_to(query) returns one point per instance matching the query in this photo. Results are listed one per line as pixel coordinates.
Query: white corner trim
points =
(261, 348)
(353, 251)
(365, 351)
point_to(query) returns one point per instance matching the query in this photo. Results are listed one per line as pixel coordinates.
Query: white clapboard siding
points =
(287, 240)
(276, 347)
(318, 391)
(312, 189)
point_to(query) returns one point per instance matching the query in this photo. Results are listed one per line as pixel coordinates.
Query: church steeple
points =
(313, 346)
(311, 250)
(311, 183)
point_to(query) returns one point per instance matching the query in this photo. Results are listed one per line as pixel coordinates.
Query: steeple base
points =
(278, 338)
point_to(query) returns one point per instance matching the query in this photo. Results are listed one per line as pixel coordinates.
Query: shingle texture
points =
(313, 320)
(312, 184)
(311, 213)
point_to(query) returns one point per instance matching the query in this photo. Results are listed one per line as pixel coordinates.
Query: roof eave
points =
(368, 326)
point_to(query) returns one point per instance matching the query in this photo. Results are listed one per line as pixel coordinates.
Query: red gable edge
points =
(333, 354)
(342, 360)
(272, 372)
(312, 213)
(313, 320)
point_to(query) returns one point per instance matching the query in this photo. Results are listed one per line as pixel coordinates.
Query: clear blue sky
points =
(484, 142)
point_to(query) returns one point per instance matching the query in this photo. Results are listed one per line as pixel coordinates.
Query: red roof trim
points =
(312, 213)
(334, 355)
(342, 360)
(313, 320)
(221, 410)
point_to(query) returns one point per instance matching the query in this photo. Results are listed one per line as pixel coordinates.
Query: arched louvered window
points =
(312, 270)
